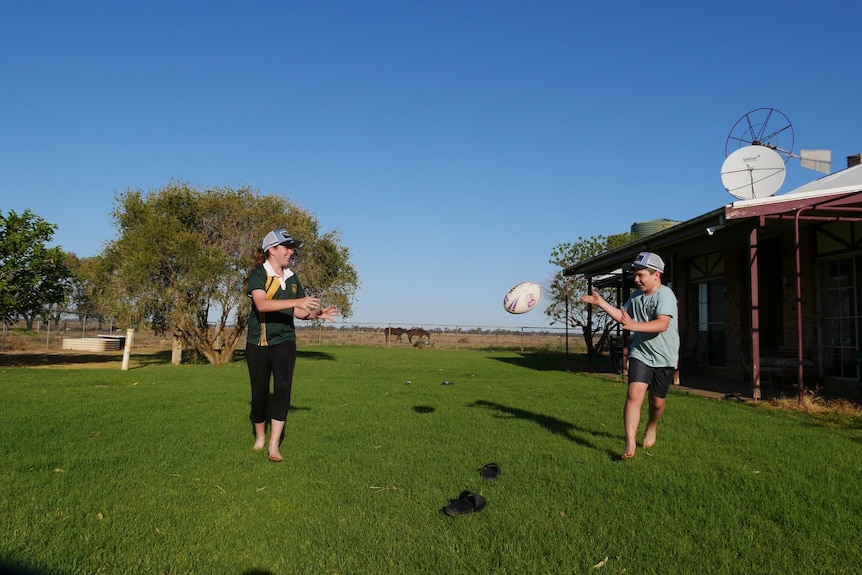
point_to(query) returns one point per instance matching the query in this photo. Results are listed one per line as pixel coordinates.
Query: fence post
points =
(127, 350)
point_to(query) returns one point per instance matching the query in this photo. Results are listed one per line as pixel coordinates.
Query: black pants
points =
(265, 361)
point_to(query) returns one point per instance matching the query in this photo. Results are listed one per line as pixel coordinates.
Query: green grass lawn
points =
(151, 471)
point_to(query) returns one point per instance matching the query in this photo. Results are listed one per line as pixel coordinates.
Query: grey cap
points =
(279, 237)
(648, 260)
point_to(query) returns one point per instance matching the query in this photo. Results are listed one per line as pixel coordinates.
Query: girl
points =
(277, 298)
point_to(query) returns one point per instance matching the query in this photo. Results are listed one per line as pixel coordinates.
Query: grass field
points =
(151, 471)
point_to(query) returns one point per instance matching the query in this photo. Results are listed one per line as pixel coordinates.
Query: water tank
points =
(643, 229)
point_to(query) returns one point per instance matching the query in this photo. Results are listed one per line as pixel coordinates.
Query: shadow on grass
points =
(315, 355)
(239, 355)
(75, 359)
(59, 359)
(8, 567)
(556, 361)
(155, 358)
(555, 425)
(139, 359)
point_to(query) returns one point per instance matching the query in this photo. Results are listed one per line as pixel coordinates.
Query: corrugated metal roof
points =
(839, 189)
(845, 180)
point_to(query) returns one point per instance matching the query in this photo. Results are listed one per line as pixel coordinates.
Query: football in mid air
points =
(523, 297)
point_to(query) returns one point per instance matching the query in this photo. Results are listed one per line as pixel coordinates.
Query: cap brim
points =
(291, 245)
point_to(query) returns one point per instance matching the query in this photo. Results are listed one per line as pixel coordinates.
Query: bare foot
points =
(649, 438)
(627, 455)
(259, 443)
(274, 454)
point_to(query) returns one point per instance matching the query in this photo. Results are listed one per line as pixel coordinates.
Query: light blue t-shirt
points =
(655, 349)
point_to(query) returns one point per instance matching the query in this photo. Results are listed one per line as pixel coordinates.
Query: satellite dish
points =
(753, 172)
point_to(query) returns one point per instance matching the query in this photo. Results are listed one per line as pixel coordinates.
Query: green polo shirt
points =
(271, 328)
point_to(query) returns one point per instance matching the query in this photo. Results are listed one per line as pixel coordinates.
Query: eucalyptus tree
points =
(182, 255)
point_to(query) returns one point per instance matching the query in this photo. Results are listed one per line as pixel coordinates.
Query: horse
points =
(417, 332)
(396, 331)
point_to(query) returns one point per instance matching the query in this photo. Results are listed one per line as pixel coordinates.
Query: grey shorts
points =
(658, 379)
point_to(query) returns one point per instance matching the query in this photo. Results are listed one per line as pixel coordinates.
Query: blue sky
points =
(453, 145)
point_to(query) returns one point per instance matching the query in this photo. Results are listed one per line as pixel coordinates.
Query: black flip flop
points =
(490, 472)
(467, 502)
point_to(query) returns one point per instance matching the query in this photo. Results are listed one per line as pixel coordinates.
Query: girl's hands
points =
(309, 303)
(327, 313)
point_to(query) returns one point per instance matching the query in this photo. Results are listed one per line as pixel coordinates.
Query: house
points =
(769, 289)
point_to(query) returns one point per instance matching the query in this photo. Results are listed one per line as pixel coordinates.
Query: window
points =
(839, 315)
(706, 306)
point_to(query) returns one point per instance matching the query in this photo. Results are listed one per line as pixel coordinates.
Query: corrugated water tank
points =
(644, 229)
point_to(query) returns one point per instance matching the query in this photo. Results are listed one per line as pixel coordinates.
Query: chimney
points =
(854, 160)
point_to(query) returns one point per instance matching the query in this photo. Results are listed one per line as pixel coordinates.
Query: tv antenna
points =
(762, 127)
(756, 150)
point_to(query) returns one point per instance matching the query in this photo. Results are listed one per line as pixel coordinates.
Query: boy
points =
(651, 314)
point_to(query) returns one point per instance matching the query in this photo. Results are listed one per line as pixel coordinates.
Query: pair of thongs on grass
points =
(469, 501)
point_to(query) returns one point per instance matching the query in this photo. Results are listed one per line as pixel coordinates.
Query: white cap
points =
(649, 260)
(277, 238)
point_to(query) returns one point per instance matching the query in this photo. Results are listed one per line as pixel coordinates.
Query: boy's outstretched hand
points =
(592, 298)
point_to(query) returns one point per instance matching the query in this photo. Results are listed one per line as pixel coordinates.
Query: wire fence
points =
(444, 336)
(19, 336)
(49, 335)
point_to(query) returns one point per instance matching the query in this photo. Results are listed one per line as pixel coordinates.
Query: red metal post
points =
(800, 370)
(755, 315)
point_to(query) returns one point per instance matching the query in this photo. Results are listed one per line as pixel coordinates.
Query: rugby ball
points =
(523, 297)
